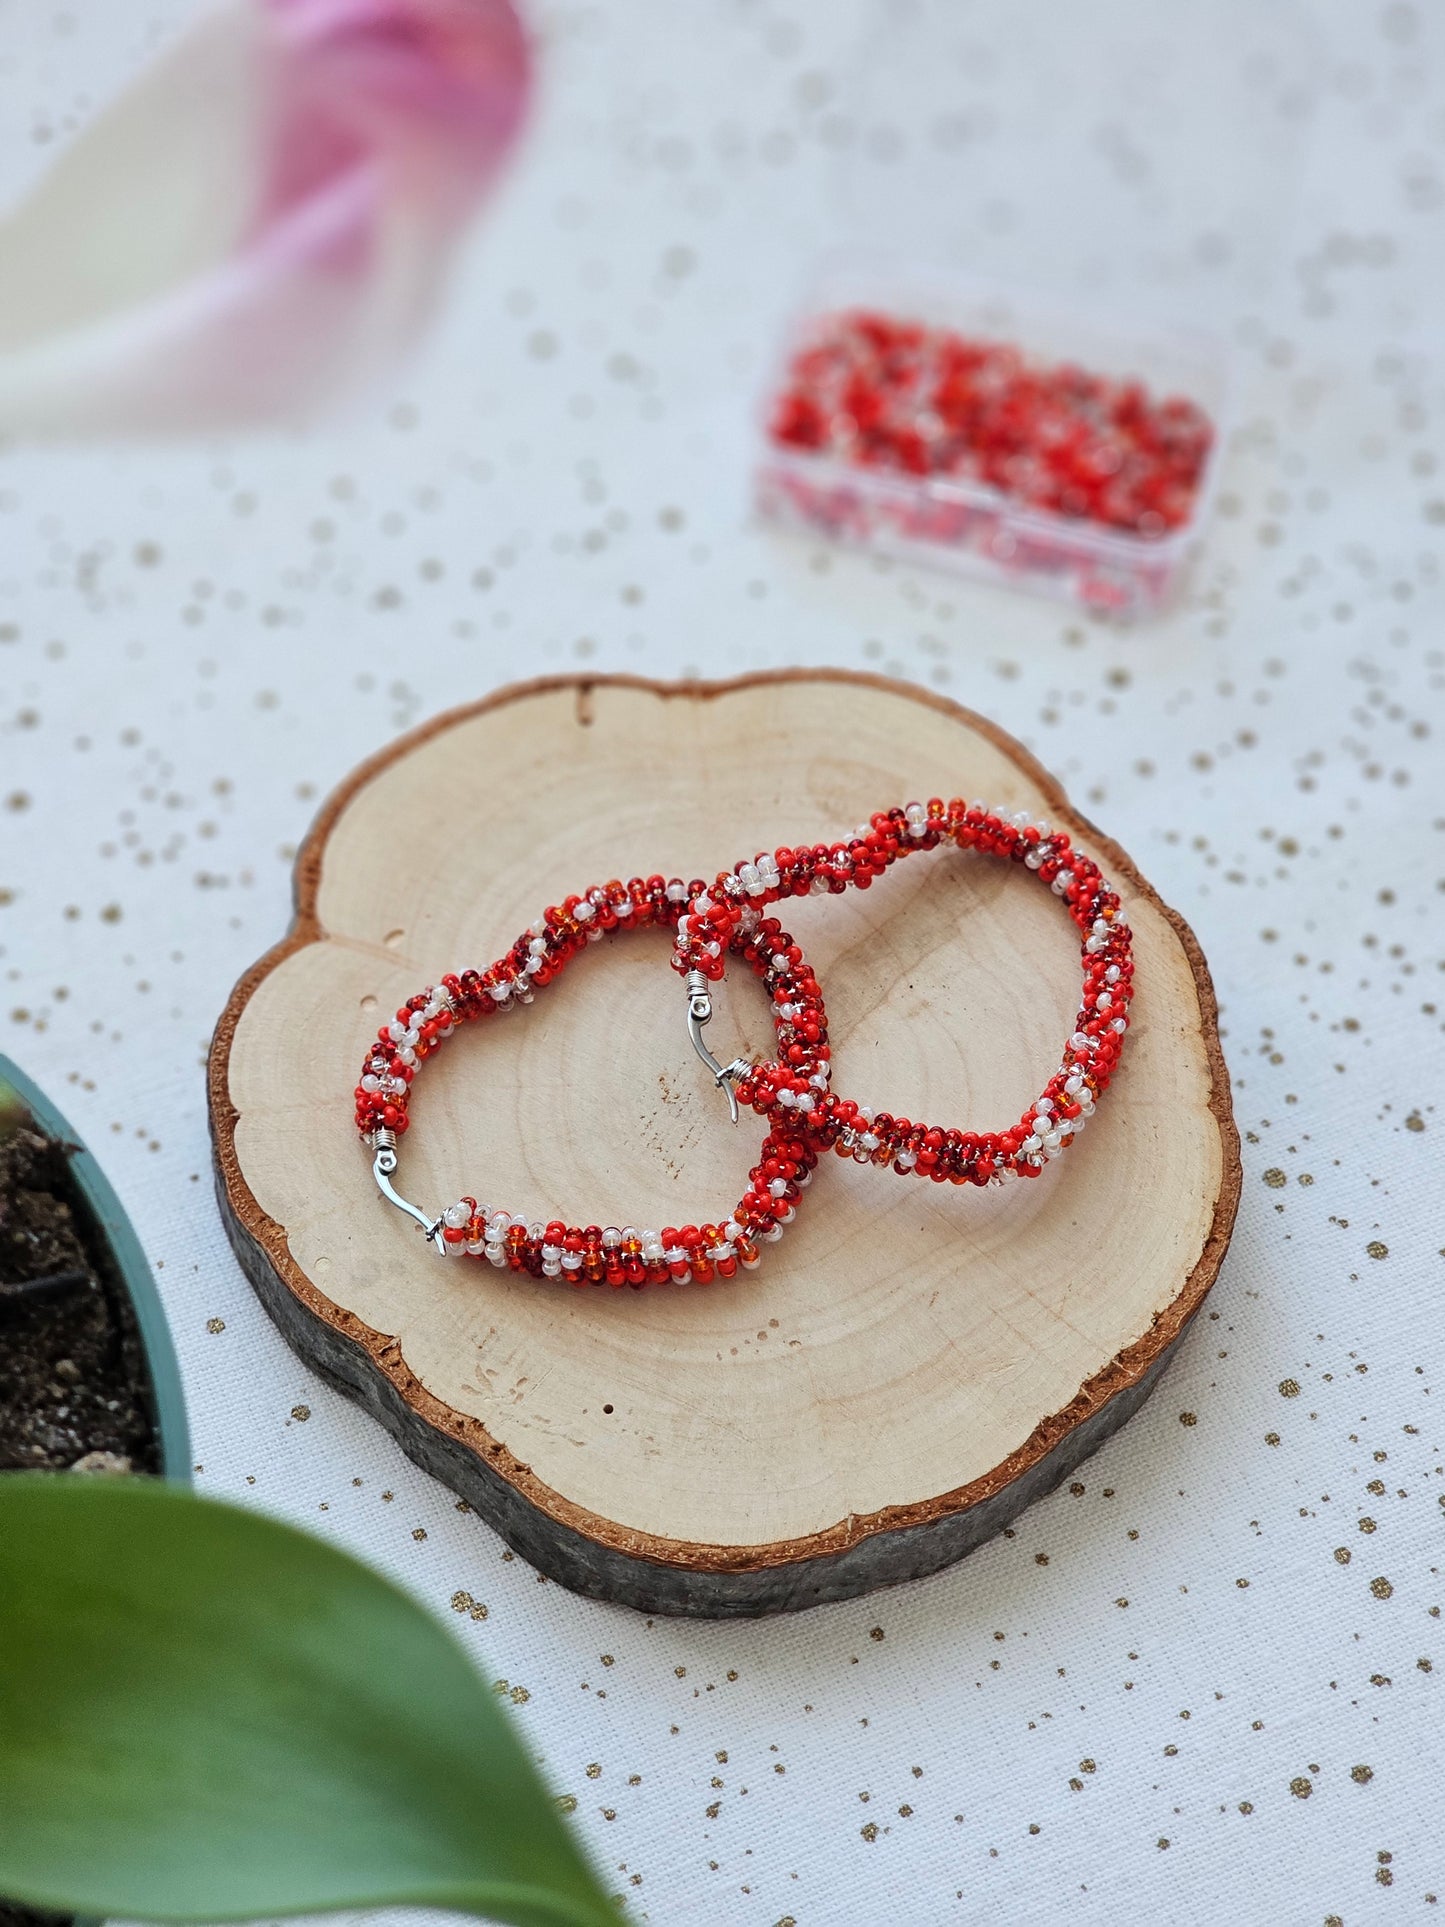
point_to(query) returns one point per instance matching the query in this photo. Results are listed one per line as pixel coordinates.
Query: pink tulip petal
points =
(262, 222)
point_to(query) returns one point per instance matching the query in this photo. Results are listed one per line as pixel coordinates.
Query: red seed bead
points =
(583, 1256)
(795, 1089)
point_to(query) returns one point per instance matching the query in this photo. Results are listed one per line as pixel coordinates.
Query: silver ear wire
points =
(384, 1163)
(699, 1012)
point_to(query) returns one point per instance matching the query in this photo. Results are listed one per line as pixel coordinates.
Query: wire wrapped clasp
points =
(382, 1167)
(699, 1012)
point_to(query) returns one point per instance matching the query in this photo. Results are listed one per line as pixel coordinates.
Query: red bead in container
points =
(963, 445)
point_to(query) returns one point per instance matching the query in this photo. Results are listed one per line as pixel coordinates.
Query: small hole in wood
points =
(368, 1003)
(607, 1409)
(393, 938)
(586, 712)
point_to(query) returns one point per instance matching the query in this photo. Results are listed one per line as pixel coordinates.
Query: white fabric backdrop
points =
(1202, 1684)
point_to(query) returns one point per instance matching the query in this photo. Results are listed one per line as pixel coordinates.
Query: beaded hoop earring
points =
(595, 1254)
(1089, 1058)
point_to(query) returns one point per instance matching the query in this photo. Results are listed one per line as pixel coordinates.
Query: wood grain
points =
(912, 1363)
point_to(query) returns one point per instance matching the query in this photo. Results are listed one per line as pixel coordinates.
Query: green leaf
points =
(205, 1715)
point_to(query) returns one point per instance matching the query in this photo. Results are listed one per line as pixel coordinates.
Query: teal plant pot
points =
(115, 1242)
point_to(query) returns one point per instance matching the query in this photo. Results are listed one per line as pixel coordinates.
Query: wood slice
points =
(913, 1363)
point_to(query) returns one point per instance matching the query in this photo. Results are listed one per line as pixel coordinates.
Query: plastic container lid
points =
(1111, 153)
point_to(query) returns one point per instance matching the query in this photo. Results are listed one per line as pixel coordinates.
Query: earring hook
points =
(699, 1012)
(382, 1167)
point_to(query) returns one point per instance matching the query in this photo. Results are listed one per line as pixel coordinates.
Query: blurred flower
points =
(261, 222)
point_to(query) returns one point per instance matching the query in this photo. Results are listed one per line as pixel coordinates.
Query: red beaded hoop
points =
(591, 1254)
(780, 1091)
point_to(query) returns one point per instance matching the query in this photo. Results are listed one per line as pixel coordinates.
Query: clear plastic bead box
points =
(969, 525)
(1102, 186)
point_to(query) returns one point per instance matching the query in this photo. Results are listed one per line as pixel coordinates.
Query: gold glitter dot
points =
(1289, 1388)
(1271, 1438)
(1300, 1787)
(1367, 1525)
(565, 1802)
(1246, 1806)
(594, 1772)
(1374, 1249)
(870, 1831)
(1362, 1775)
(301, 1413)
(1342, 1554)
(215, 1325)
(1381, 1588)
(1275, 1179)
(1088, 1766)
(1188, 1418)
(876, 1633)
